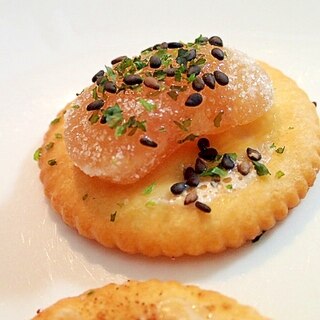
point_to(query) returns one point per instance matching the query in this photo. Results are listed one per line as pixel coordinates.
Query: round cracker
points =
(149, 300)
(138, 218)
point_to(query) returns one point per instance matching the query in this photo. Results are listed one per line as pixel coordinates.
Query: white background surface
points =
(49, 50)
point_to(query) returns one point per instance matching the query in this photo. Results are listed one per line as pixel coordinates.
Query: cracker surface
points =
(149, 300)
(137, 220)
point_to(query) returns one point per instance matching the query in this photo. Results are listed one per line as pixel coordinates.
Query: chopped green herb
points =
(229, 186)
(113, 216)
(49, 146)
(179, 72)
(201, 40)
(280, 150)
(101, 87)
(147, 105)
(218, 118)
(260, 168)
(162, 129)
(95, 93)
(52, 162)
(120, 131)
(37, 154)
(189, 137)
(164, 56)
(279, 174)
(76, 106)
(182, 56)
(200, 61)
(125, 63)
(132, 124)
(173, 95)
(184, 124)
(102, 81)
(273, 145)
(58, 135)
(149, 189)
(85, 197)
(150, 203)
(110, 74)
(233, 156)
(215, 171)
(94, 118)
(113, 116)
(191, 77)
(159, 75)
(178, 76)
(56, 120)
(139, 64)
(141, 125)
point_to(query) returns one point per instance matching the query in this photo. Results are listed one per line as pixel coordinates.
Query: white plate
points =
(49, 50)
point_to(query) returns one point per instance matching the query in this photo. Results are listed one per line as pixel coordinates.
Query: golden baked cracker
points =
(149, 300)
(146, 218)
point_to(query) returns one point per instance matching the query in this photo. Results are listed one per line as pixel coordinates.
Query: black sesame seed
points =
(152, 83)
(244, 167)
(99, 74)
(221, 78)
(192, 179)
(194, 100)
(217, 53)
(118, 59)
(132, 79)
(155, 62)
(253, 154)
(216, 41)
(198, 84)
(209, 80)
(158, 46)
(164, 45)
(203, 144)
(315, 103)
(191, 54)
(188, 172)
(226, 162)
(110, 87)
(209, 154)
(190, 198)
(170, 72)
(203, 207)
(174, 45)
(148, 142)
(193, 69)
(200, 166)
(95, 105)
(103, 119)
(178, 188)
